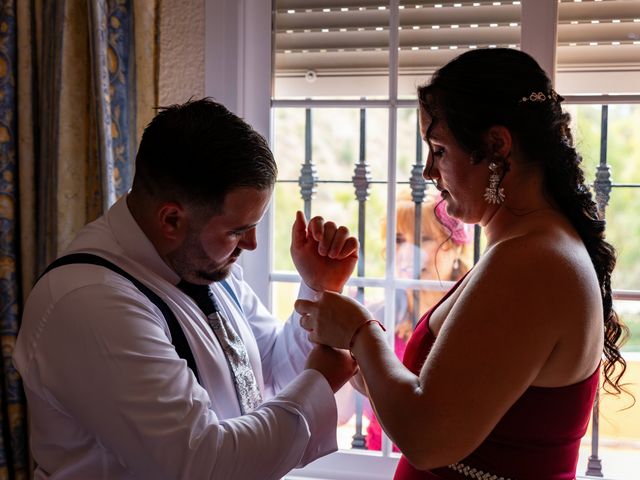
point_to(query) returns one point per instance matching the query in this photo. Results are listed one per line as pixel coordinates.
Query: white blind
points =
(335, 39)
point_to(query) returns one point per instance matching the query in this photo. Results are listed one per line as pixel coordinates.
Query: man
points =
(113, 392)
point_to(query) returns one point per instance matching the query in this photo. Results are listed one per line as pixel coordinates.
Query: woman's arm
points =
(497, 337)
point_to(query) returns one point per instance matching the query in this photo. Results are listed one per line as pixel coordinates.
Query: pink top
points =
(537, 438)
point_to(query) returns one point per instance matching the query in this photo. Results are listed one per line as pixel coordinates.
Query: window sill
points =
(343, 465)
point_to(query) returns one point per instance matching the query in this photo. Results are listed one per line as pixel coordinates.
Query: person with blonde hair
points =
(445, 254)
(444, 247)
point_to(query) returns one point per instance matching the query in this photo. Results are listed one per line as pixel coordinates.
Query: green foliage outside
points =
(623, 220)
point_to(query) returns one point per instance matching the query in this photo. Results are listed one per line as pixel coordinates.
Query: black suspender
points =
(177, 335)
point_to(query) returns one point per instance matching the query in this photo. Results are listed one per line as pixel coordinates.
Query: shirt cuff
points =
(306, 292)
(310, 396)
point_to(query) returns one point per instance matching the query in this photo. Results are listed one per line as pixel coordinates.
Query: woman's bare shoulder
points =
(556, 255)
(538, 277)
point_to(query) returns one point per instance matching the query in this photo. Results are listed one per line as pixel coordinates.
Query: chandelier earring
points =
(494, 193)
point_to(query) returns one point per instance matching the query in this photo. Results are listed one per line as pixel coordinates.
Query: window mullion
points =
(389, 320)
(361, 182)
(539, 32)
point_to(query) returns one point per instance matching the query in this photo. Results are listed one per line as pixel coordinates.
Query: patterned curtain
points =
(13, 446)
(78, 83)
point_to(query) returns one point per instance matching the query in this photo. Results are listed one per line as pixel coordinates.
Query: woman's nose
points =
(430, 171)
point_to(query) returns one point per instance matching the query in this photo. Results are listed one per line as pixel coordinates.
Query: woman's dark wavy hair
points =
(486, 87)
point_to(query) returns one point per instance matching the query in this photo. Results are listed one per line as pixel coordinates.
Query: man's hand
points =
(335, 365)
(324, 254)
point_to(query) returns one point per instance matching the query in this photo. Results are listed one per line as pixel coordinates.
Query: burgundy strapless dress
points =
(537, 439)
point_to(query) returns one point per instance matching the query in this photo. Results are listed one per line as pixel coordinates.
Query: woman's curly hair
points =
(486, 87)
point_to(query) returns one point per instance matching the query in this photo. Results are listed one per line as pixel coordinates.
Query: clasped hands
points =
(323, 253)
(325, 256)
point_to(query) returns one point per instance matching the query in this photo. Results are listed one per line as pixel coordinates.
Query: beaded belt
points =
(471, 472)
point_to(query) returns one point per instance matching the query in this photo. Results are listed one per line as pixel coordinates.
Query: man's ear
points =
(499, 141)
(172, 221)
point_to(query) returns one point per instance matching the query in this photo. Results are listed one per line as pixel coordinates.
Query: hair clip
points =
(539, 97)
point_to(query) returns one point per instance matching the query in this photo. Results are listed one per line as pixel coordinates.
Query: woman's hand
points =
(332, 318)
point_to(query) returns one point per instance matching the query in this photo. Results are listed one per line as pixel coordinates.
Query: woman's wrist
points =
(358, 330)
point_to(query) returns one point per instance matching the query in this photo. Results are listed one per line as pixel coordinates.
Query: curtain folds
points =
(14, 458)
(78, 83)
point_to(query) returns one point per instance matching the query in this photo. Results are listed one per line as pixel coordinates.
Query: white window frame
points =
(238, 63)
(238, 58)
(238, 73)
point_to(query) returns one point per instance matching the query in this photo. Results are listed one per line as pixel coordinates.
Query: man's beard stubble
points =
(184, 261)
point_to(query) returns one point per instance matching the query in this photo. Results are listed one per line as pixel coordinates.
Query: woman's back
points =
(539, 434)
(543, 265)
(511, 355)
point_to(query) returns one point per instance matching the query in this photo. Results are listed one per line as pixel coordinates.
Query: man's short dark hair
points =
(195, 153)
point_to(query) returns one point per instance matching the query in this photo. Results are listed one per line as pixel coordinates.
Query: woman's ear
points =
(499, 141)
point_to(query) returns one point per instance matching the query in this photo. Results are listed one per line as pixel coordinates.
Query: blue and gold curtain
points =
(78, 82)
(14, 459)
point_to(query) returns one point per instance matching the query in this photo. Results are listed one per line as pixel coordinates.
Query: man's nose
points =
(248, 240)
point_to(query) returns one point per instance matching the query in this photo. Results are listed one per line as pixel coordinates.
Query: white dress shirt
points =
(109, 398)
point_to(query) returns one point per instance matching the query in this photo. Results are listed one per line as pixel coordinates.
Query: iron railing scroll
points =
(418, 187)
(308, 179)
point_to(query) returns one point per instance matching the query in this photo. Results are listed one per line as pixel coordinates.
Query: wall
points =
(181, 62)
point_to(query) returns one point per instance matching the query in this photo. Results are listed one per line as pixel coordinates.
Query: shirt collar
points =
(135, 243)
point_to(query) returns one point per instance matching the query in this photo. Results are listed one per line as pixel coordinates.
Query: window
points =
(344, 129)
(604, 134)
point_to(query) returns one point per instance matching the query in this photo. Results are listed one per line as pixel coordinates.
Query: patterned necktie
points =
(245, 381)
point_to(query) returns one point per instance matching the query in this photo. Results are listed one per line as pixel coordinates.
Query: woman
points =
(499, 378)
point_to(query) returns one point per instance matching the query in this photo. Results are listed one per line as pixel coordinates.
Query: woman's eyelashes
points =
(438, 152)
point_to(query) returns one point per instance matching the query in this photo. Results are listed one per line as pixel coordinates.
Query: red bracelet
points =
(357, 330)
